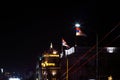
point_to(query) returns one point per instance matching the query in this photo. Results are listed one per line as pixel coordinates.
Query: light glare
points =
(53, 72)
(1, 70)
(14, 78)
(54, 52)
(110, 49)
(77, 25)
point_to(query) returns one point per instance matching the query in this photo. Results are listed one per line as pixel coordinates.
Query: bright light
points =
(77, 25)
(110, 78)
(36, 78)
(14, 78)
(54, 52)
(61, 55)
(110, 49)
(44, 64)
(44, 73)
(50, 64)
(54, 72)
(1, 70)
(40, 58)
(51, 55)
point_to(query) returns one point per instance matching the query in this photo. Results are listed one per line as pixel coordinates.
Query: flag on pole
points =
(64, 43)
(79, 32)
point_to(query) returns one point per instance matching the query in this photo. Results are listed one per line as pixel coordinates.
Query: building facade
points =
(50, 65)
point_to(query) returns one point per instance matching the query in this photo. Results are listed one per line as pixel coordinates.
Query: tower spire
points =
(51, 45)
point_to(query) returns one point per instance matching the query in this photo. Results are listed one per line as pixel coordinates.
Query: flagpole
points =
(67, 68)
(65, 44)
(75, 39)
(77, 32)
(97, 71)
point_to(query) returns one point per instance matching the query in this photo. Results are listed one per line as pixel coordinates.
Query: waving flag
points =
(79, 32)
(64, 43)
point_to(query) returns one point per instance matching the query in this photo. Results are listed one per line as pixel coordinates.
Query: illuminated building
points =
(50, 65)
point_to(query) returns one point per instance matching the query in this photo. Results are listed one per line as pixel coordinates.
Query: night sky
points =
(26, 32)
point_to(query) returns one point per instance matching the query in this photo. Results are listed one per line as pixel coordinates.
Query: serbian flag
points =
(64, 43)
(79, 32)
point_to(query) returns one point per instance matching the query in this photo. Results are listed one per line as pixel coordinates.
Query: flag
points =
(64, 43)
(79, 32)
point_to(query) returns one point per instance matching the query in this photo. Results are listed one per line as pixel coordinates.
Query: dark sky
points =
(26, 32)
